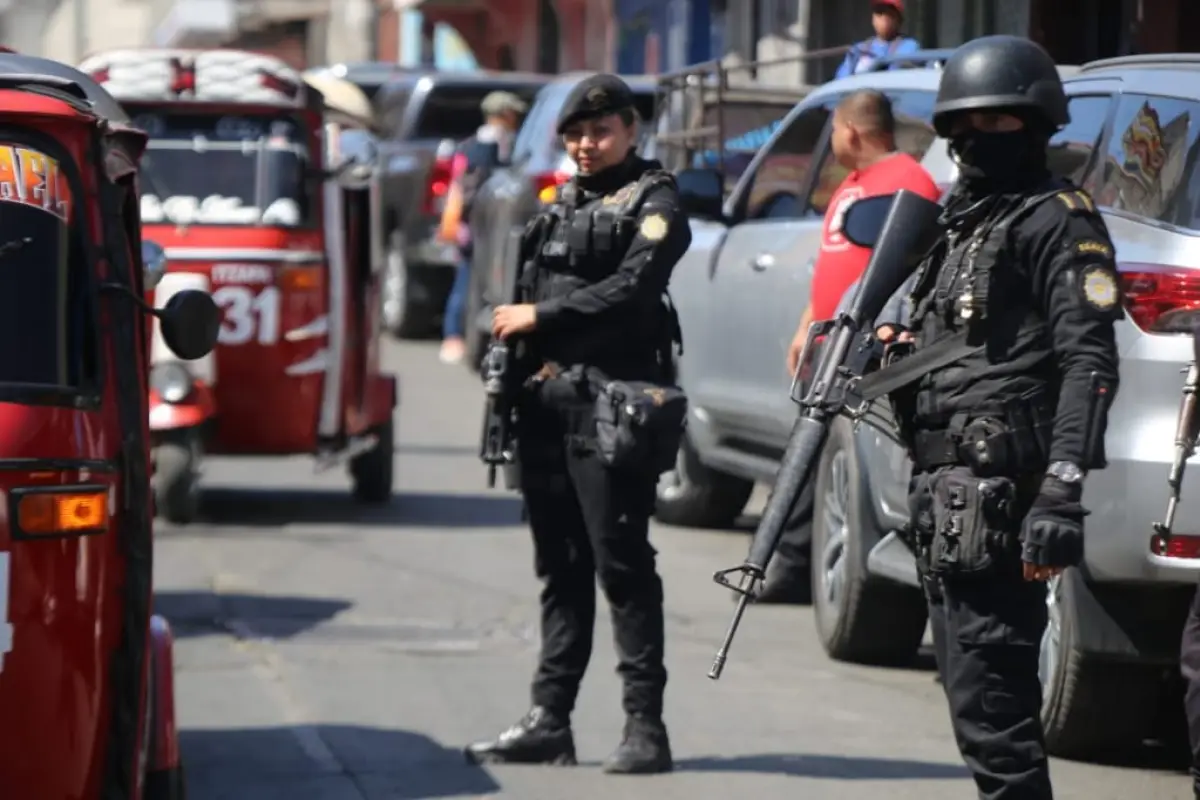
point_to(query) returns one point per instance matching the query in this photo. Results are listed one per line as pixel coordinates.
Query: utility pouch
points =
(972, 521)
(639, 425)
(986, 447)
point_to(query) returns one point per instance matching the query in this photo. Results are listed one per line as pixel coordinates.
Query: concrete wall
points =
(109, 24)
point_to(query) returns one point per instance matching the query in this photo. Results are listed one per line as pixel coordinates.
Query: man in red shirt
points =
(863, 140)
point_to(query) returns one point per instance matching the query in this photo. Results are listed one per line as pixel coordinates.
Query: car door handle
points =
(762, 261)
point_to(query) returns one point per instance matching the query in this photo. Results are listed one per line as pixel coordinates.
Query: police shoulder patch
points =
(653, 227)
(1099, 287)
(1094, 247)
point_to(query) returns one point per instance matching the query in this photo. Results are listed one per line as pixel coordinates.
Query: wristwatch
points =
(1066, 472)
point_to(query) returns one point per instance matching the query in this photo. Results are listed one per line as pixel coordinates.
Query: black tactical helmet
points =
(995, 72)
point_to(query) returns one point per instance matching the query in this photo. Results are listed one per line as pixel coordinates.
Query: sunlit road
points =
(330, 653)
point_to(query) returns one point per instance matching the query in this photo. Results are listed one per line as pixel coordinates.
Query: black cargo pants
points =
(589, 523)
(987, 624)
(1189, 660)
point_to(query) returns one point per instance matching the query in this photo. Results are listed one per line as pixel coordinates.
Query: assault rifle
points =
(901, 228)
(501, 376)
(1187, 430)
(497, 447)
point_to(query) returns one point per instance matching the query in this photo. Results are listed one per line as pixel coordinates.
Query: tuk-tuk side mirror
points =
(154, 264)
(190, 322)
(864, 220)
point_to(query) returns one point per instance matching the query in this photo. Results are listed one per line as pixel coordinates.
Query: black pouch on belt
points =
(987, 447)
(639, 426)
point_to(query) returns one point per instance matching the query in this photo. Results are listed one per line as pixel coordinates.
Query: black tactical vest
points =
(972, 285)
(583, 241)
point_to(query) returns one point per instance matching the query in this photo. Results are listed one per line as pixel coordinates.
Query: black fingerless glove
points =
(1052, 533)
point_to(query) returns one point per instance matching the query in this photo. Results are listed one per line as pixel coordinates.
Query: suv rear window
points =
(1150, 167)
(452, 112)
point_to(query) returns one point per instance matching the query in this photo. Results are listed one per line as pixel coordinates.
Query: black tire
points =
(695, 496)
(176, 477)
(403, 317)
(373, 472)
(860, 618)
(1091, 709)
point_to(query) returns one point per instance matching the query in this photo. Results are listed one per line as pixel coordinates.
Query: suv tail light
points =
(546, 183)
(1161, 299)
(439, 183)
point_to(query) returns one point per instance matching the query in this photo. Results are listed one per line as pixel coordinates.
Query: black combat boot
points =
(644, 748)
(541, 737)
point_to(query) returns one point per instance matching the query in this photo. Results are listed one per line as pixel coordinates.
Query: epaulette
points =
(1076, 200)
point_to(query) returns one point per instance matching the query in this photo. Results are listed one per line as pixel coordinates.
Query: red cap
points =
(896, 4)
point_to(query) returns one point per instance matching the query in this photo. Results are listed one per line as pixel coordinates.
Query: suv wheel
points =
(402, 316)
(695, 496)
(860, 618)
(1091, 707)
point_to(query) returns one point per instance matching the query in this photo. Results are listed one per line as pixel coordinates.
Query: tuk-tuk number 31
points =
(246, 312)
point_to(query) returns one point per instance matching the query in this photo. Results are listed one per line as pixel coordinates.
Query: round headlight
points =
(172, 381)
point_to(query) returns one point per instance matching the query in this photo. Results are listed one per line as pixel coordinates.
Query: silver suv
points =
(1115, 623)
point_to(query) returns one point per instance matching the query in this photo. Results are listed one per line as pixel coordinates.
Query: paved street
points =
(331, 653)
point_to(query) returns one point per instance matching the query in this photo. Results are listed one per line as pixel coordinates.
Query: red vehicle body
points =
(182, 404)
(85, 669)
(248, 190)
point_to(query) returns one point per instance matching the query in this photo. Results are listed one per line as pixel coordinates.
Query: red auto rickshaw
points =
(86, 689)
(248, 188)
(182, 408)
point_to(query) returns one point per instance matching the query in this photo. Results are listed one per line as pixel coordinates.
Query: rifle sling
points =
(910, 369)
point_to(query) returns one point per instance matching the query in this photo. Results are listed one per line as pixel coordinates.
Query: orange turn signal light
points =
(50, 513)
(548, 194)
(302, 278)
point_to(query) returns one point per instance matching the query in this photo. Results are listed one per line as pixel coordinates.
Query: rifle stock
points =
(902, 236)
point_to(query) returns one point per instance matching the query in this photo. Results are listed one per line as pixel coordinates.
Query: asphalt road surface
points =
(327, 652)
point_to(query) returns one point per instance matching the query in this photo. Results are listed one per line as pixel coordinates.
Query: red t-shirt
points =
(840, 263)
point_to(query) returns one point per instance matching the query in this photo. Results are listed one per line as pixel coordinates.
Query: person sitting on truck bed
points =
(886, 17)
(863, 141)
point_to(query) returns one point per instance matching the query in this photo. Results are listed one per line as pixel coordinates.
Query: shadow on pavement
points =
(293, 763)
(244, 616)
(846, 768)
(272, 507)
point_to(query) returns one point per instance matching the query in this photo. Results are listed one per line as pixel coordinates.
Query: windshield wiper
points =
(10, 247)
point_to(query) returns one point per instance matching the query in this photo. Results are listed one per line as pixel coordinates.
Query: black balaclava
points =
(1002, 163)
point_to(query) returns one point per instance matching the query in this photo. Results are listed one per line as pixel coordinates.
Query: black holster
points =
(639, 425)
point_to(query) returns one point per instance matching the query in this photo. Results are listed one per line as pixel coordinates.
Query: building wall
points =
(110, 24)
(653, 36)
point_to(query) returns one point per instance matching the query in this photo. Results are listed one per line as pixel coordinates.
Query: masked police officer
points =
(601, 258)
(1015, 366)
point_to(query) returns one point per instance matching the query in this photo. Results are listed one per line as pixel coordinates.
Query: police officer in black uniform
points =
(1015, 367)
(594, 309)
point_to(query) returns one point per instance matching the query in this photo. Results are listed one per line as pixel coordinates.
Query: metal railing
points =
(701, 109)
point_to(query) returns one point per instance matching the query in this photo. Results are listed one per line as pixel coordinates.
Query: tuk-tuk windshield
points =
(44, 308)
(224, 169)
